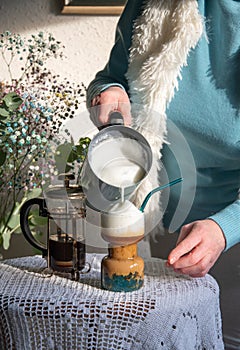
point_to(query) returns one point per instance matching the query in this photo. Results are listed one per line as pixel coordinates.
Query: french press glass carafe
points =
(64, 207)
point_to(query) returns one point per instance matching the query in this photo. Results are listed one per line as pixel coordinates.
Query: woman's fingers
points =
(200, 245)
(112, 99)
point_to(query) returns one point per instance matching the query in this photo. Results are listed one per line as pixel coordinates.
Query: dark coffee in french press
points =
(64, 207)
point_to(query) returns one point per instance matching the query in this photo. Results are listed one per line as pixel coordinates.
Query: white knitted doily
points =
(42, 311)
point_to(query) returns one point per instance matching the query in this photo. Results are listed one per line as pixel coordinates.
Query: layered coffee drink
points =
(122, 228)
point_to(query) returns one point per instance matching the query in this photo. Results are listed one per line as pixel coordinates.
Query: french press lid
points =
(65, 190)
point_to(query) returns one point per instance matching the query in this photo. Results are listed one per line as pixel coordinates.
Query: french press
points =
(64, 207)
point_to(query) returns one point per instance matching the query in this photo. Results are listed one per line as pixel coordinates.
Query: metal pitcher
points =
(118, 160)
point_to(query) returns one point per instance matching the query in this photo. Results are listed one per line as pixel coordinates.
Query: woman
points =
(178, 62)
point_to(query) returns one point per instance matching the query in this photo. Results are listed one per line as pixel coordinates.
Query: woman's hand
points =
(111, 99)
(198, 247)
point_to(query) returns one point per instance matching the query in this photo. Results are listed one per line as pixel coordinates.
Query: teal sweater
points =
(205, 111)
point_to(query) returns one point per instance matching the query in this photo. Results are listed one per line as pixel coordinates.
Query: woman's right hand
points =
(112, 99)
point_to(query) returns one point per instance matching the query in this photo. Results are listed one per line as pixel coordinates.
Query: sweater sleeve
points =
(229, 221)
(114, 72)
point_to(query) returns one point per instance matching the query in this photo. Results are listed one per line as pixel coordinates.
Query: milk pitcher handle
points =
(115, 118)
(24, 222)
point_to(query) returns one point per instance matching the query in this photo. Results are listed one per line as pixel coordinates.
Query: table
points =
(42, 311)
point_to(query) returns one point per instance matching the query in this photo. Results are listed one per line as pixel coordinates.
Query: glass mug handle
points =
(24, 222)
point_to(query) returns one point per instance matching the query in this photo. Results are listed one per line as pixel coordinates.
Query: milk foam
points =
(122, 220)
(119, 162)
(121, 172)
(123, 208)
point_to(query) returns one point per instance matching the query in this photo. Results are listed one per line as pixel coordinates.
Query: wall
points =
(87, 41)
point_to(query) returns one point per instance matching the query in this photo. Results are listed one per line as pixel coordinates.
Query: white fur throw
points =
(162, 38)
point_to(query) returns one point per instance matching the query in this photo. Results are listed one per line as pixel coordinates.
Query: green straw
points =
(149, 195)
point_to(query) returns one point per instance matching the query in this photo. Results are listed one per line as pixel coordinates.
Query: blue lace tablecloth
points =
(43, 311)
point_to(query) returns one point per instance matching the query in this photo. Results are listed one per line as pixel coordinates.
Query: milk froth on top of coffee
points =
(122, 222)
(122, 208)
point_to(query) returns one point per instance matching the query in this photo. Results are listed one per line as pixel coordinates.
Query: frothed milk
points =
(114, 162)
(122, 172)
(122, 224)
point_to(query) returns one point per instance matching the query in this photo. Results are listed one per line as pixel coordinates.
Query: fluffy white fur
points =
(163, 36)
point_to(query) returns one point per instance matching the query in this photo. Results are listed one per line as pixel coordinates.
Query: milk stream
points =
(122, 173)
(122, 194)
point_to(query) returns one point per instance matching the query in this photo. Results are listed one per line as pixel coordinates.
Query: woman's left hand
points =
(199, 245)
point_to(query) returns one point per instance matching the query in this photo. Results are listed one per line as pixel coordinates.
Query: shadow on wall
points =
(19, 247)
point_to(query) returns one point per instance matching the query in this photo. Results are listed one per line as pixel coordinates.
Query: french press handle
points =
(24, 222)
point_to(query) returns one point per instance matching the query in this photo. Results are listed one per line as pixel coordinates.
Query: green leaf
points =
(4, 113)
(17, 207)
(35, 192)
(68, 168)
(6, 239)
(18, 230)
(73, 155)
(37, 220)
(12, 101)
(3, 157)
(14, 221)
(61, 157)
(84, 141)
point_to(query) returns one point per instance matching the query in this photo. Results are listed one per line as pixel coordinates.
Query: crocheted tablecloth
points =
(41, 311)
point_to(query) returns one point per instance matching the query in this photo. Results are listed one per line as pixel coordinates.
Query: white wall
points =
(87, 39)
